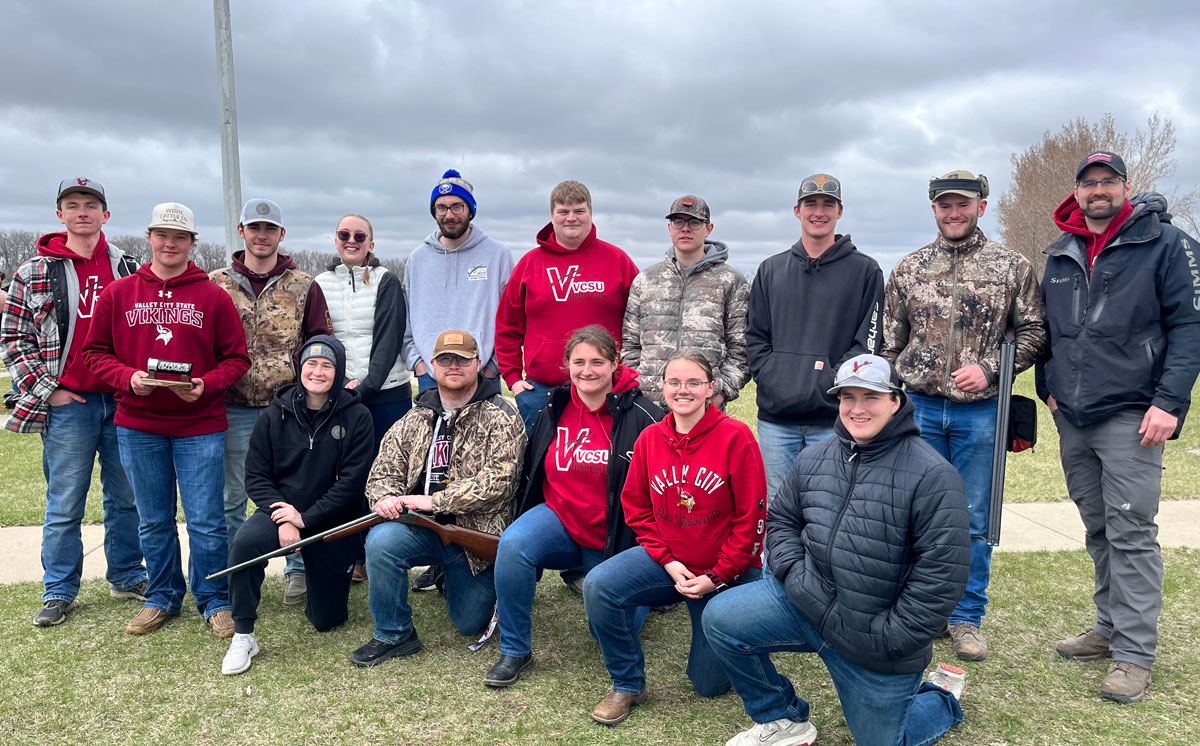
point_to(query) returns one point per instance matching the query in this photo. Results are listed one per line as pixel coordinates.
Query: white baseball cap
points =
(865, 372)
(174, 216)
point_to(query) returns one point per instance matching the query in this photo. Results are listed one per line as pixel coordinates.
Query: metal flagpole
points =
(231, 170)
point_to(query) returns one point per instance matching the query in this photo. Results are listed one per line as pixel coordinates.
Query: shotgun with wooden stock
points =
(479, 543)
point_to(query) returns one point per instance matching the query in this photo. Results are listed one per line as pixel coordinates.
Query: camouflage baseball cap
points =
(689, 205)
(959, 182)
(456, 342)
(819, 184)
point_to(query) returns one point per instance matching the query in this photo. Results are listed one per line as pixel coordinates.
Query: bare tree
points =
(1044, 175)
(15, 247)
(135, 245)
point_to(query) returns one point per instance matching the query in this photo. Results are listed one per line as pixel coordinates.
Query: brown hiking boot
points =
(615, 707)
(1086, 646)
(147, 620)
(359, 573)
(222, 624)
(969, 643)
(1125, 682)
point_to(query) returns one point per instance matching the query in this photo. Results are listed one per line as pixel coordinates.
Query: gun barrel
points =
(1008, 353)
(284, 551)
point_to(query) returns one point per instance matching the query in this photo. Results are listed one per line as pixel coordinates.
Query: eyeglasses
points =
(812, 187)
(448, 361)
(693, 223)
(691, 385)
(359, 236)
(458, 208)
(1107, 183)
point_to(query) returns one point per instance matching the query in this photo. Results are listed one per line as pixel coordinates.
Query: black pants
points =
(327, 567)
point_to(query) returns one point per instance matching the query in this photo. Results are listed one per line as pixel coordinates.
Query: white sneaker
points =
(242, 650)
(782, 732)
(951, 678)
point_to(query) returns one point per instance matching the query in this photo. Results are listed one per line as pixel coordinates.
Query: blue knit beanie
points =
(453, 183)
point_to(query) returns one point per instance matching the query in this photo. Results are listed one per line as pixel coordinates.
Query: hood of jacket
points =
(548, 241)
(55, 245)
(283, 263)
(474, 238)
(1138, 220)
(485, 388)
(901, 425)
(690, 441)
(841, 248)
(339, 394)
(715, 252)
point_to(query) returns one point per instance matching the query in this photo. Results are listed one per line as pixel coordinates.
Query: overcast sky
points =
(360, 106)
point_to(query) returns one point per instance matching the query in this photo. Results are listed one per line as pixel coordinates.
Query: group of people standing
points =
(866, 491)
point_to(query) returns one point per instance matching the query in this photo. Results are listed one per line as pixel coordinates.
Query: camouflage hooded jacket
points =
(486, 451)
(949, 305)
(702, 308)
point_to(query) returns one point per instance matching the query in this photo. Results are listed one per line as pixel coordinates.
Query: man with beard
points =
(949, 306)
(1123, 302)
(276, 324)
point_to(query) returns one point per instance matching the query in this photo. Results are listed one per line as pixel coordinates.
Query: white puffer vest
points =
(352, 311)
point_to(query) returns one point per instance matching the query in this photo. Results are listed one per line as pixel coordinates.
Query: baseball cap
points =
(820, 184)
(690, 205)
(456, 342)
(174, 216)
(1104, 158)
(865, 372)
(453, 184)
(959, 182)
(87, 186)
(261, 211)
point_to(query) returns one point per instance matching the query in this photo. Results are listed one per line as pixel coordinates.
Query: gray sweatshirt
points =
(454, 289)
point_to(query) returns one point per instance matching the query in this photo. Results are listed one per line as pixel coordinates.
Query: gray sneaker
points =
(295, 589)
(1125, 682)
(133, 593)
(1086, 646)
(53, 613)
(782, 732)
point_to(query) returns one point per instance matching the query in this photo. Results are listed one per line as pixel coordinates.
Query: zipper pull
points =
(310, 442)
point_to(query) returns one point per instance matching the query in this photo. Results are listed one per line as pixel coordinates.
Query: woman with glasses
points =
(696, 499)
(366, 306)
(570, 516)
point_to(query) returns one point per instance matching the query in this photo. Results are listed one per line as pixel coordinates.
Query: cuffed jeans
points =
(617, 595)
(781, 444)
(1115, 482)
(536, 541)
(153, 464)
(744, 625)
(75, 433)
(529, 403)
(392, 550)
(965, 434)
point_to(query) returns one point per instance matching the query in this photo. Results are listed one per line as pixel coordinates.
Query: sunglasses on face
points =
(359, 236)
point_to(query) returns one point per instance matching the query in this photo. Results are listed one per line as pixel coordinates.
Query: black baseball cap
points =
(1104, 158)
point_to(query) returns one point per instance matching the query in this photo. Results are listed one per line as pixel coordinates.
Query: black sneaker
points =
(376, 652)
(507, 670)
(53, 613)
(134, 593)
(433, 578)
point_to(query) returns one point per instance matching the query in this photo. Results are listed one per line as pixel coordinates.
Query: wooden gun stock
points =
(479, 543)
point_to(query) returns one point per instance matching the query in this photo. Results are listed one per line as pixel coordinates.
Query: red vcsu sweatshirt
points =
(699, 498)
(576, 468)
(552, 292)
(93, 275)
(186, 319)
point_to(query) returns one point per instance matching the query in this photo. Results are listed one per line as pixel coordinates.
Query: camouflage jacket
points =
(703, 309)
(274, 324)
(949, 305)
(486, 451)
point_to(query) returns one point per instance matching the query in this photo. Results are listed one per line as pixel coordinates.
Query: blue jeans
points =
(781, 444)
(529, 403)
(617, 595)
(154, 463)
(744, 625)
(425, 382)
(964, 434)
(75, 433)
(395, 548)
(536, 541)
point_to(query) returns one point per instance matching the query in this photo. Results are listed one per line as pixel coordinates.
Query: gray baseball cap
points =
(87, 186)
(261, 211)
(865, 372)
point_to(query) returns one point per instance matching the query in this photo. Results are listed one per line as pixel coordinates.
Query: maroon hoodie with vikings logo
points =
(186, 319)
(699, 498)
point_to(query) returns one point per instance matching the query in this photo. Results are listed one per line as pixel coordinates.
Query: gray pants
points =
(1115, 482)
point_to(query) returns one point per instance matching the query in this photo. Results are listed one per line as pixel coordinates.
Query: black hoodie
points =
(318, 462)
(807, 316)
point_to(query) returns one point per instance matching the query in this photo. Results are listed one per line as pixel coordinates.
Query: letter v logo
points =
(560, 284)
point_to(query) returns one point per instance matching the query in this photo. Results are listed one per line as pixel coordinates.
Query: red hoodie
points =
(576, 468)
(552, 292)
(93, 275)
(1069, 217)
(186, 319)
(699, 498)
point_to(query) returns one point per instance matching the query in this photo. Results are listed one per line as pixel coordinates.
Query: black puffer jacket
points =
(318, 463)
(871, 543)
(632, 413)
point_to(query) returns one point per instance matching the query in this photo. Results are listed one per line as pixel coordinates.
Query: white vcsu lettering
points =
(568, 452)
(565, 286)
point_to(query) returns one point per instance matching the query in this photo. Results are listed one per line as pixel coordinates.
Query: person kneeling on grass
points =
(696, 498)
(456, 454)
(869, 551)
(306, 468)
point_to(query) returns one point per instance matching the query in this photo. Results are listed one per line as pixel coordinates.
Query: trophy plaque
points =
(168, 374)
